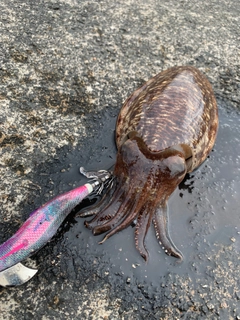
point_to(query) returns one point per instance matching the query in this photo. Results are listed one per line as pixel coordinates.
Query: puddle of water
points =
(203, 211)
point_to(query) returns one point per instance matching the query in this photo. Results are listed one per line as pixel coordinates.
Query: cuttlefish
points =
(164, 130)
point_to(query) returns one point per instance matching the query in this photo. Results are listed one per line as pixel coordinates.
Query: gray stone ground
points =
(63, 64)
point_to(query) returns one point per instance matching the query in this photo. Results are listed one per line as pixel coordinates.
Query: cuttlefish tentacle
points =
(109, 210)
(127, 221)
(143, 223)
(124, 210)
(160, 222)
(100, 205)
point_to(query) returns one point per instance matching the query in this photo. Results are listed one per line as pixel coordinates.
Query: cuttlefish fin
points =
(16, 275)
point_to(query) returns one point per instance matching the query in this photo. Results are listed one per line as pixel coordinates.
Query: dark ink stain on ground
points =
(204, 223)
(203, 213)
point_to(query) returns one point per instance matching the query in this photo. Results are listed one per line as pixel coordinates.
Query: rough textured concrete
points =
(66, 67)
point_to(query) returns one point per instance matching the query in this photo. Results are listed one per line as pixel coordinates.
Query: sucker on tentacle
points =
(127, 221)
(165, 129)
(160, 222)
(143, 222)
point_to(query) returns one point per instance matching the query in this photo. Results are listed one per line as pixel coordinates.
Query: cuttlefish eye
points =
(176, 165)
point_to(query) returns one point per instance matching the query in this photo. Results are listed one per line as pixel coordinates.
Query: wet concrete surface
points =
(66, 68)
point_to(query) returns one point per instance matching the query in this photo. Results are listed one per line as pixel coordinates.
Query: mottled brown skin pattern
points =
(165, 129)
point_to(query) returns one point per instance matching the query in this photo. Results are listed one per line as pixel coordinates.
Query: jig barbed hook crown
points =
(100, 179)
